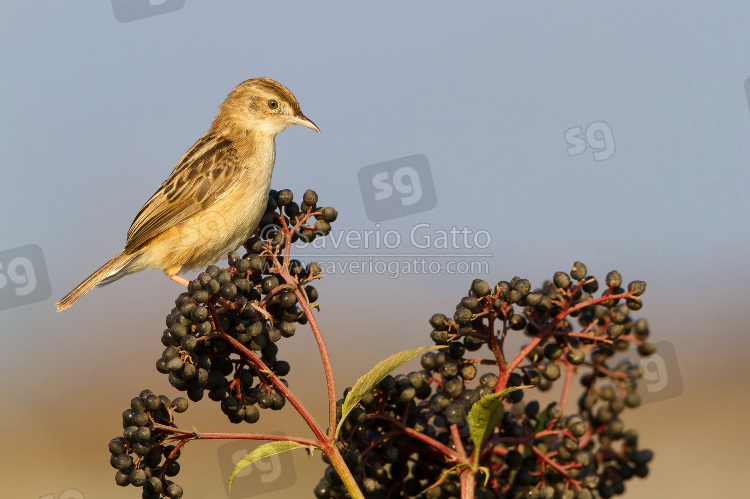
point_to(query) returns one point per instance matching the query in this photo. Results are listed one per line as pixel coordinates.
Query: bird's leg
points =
(178, 279)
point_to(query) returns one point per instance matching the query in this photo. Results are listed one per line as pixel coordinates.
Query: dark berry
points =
(322, 227)
(173, 491)
(269, 284)
(561, 280)
(575, 357)
(591, 286)
(613, 279)
(578, 272)
(137, 477)
(284, 197)
(228, 291)
(328, 214)
(180, 404)
(310, 197)
(637, 288)
(480, 288)
(454, 414)
(646, 349)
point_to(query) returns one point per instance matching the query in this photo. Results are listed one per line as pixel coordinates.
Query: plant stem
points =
(449, 453)
(569, 369)
(252, 357)
(338, 463)
(557, 467)
(302, 299)
(234, 436)
(304, 303)
(467, 484)
(325, 442)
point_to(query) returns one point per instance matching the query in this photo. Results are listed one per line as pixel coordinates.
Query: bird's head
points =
(262, 105)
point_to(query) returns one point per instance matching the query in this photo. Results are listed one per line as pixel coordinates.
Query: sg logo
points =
(397, 188)
(661, 374)
(261, 477)
(23, 277)
(133, 10)
(598, 136)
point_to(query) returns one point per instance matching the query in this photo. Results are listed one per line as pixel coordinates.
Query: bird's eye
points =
(273, 104)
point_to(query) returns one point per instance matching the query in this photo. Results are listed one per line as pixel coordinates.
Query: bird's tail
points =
(110, 271)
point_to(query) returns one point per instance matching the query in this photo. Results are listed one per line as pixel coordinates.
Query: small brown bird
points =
(216, 195)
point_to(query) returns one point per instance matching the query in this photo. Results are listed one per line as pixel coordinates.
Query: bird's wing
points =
(204, 174)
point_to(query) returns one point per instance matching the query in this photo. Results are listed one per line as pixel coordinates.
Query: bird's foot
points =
(179, 279)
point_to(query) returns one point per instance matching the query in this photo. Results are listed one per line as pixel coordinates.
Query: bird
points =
(217, 193)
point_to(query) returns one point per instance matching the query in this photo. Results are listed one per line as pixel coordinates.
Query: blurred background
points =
(612, 134)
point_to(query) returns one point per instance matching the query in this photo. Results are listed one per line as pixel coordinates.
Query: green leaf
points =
(266, 450)
(484, 417)
(375, 376)
(486, 471)
(542, 424)
(445, 474)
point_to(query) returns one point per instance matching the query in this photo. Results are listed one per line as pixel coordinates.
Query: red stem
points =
(457, 441)
(559, 468)
(548, 329)
(467, 484)
(252, 357)
(302, 299)
(449, 453)
(569, 368)
(234, 436)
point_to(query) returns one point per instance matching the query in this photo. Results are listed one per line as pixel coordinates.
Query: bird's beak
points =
(303, 120)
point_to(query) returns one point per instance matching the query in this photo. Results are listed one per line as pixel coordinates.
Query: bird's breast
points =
(218, 229)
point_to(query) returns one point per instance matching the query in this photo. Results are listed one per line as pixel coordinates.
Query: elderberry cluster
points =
(141, 455)
(222, 338)
(253, 302)
(537, 451)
